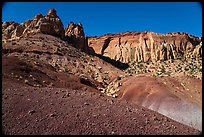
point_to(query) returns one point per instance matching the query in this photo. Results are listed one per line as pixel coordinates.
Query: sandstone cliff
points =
(146, 46)
(74, 33)
(48, 24)
(124, 47)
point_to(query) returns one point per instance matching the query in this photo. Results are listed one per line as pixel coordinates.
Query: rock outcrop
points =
(124, 47)
(11, 30)
(146, 46)
(48, 24)
(74, 33)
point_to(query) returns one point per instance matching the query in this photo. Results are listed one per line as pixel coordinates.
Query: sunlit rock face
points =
(146, 46)
(74, 33)
(48, 24)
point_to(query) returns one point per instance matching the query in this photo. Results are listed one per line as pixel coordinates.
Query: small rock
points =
(26, 81)
(99, 67)
(106, 72)
(119, 84)
(115, 95)
(67, 94)
(36, 85)
(168, 127)
(53, 115)
(134, 119)
(51, 84)
(155, 118)
(129, 109)
(141, 127)
(86, 103)
(174, 126)
(31, 112)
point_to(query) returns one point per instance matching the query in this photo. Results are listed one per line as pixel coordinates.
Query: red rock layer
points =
(146, 46)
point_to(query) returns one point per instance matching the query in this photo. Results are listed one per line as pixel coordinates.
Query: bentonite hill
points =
(58, 81)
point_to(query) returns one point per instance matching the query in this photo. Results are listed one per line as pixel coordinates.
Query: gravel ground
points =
(57, 111)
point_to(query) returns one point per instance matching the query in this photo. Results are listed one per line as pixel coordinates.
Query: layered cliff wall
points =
(124, 47)
(146, 46)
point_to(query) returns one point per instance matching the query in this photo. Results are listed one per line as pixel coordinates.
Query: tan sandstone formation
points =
(48, 24)
(146, 46)
(11, 29)
(74, 33)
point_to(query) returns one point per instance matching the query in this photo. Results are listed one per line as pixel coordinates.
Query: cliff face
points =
(146, 46)
(48, 24)
(74, 33)
(124, 47)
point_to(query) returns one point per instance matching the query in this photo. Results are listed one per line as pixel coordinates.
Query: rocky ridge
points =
(63, 58)
(51, 61)
(74, 33)
(147, 46)
(49, 24)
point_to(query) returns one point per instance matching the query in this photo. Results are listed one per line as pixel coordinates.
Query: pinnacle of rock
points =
(52, 12)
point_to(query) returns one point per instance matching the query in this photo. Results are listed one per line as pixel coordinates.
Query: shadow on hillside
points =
(117, 64)
(90, 51)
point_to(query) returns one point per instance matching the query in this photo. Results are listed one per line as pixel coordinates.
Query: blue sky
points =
(100, 18)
